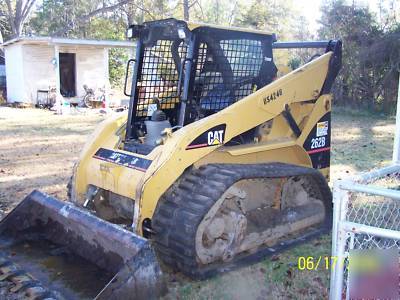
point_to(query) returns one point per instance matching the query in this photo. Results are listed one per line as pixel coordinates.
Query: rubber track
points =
(69, 189)
(182, 208)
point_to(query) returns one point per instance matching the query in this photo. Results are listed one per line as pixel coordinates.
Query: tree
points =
(53, 16)
(4, 28)
(81, 19)
(381, 61)
(371, 54)
(16, 13)
(58, 17)
(271, 16)
(282, 18)
(112, 28)
(221, 12)
(357, 28)
(139, 11)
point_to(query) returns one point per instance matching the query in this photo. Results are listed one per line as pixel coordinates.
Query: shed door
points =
(67, 74)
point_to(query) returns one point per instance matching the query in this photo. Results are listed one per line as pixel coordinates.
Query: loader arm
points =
(185, 147)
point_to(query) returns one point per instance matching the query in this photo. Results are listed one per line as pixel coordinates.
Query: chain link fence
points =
(366, 220)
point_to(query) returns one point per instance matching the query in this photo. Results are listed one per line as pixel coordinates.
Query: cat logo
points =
(215, 137)
(212, 137)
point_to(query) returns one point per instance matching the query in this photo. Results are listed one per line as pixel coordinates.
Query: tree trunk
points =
(18, 28)
(186, 10)
(17, 14)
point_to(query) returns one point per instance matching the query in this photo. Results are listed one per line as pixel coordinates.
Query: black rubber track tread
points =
(182, 208)
(69, 189)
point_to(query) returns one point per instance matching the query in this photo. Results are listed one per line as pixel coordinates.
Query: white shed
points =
(42, 63)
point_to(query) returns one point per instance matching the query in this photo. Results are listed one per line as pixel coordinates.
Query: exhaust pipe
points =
(76, 241)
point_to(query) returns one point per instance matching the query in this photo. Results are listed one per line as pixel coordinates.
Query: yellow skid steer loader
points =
(218, 162)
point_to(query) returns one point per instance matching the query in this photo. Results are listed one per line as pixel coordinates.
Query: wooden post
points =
(59, 98)
(107, 78)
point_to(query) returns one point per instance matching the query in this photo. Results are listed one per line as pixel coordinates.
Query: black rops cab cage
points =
(193, 74)
(230, 66)
(161, 51)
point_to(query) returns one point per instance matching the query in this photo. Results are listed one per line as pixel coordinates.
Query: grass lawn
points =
(38, 150)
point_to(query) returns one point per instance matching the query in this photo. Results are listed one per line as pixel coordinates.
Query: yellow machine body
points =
(300, 91)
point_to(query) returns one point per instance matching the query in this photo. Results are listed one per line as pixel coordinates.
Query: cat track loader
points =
(219, 160)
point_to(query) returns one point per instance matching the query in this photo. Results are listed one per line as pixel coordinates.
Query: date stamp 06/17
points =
(314, 263)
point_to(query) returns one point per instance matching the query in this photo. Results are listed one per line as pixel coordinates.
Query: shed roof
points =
(42, 40)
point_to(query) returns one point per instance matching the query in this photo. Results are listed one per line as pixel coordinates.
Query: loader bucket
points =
(53, 249)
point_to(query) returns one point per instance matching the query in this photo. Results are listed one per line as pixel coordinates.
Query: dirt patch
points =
(38, 150)
(360, 143)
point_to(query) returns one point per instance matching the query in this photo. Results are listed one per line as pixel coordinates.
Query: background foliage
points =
(371, 57)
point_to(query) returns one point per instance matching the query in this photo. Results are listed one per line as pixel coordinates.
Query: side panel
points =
(39, 72)
(311, 149)
(291, 154)
(90, 69)
(319, 154)
(111, 169)
(318, 143)
(15, 73)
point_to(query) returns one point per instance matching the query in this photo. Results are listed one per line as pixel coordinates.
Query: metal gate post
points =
(396, 145)
(340, 201)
